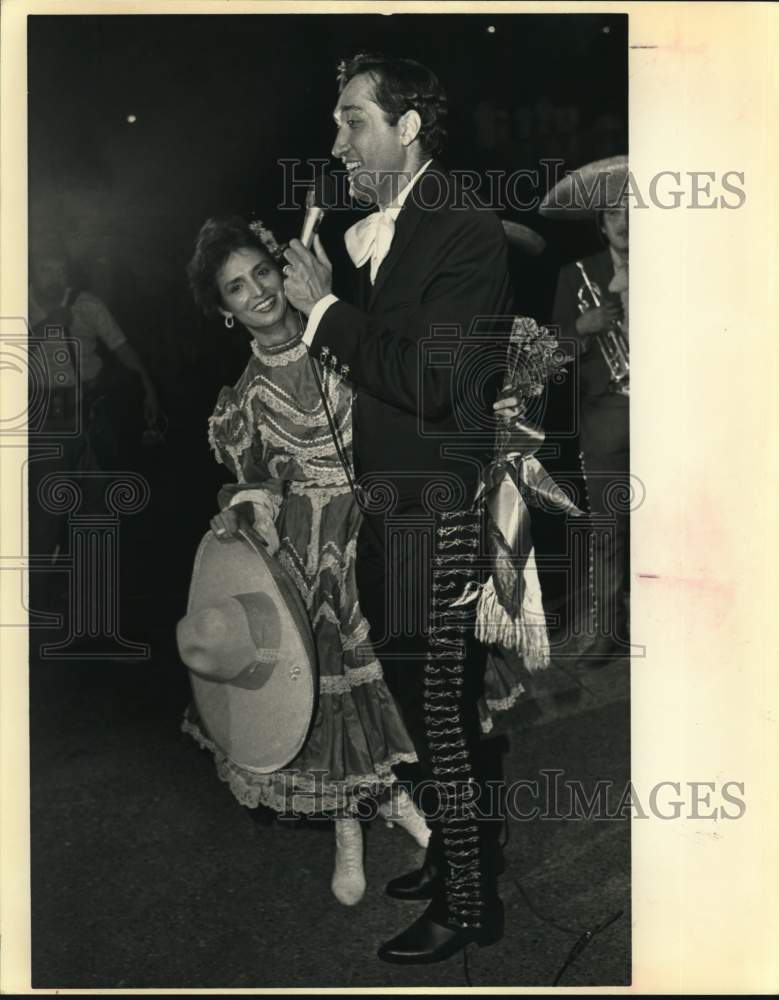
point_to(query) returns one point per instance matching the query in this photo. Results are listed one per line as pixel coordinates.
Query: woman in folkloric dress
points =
(271, 431)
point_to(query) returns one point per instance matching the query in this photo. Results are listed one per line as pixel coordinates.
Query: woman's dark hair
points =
(402, 85)
(217, 239)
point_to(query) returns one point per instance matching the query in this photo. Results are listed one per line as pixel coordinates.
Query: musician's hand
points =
(308, 277)
(599, 319)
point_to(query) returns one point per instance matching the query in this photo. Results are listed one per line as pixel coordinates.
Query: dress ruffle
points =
(343, 762)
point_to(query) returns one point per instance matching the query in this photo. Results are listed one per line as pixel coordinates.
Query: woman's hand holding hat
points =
(246, 515)
(228, 523)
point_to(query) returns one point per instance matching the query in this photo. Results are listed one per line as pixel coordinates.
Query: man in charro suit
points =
(429, 259)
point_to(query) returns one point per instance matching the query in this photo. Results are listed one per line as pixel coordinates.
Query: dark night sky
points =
(219, 98)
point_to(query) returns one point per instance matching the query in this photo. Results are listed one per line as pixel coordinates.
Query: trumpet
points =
(612, 343)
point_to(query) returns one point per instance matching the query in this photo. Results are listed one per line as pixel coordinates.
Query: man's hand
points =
(307, 278)
(507, 407)
(600, 319)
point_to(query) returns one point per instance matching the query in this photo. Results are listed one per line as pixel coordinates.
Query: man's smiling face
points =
(370, 148)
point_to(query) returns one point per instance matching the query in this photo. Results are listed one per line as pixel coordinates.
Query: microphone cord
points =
(340, 449)
(583, 937)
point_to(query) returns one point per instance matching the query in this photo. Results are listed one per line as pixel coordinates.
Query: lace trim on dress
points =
(236, 448)
(300, 448)
(283, 355)
(503, 704)
(212, 440)
(357, 637)
(305, 489)
(305, 794)
(276, 398)
(335, 562)
(343, 683)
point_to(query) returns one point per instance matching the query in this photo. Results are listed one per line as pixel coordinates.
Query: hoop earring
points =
(229, 321)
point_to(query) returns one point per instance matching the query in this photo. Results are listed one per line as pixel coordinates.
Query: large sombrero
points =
(247, 641)
(590, 189)
(523, 237)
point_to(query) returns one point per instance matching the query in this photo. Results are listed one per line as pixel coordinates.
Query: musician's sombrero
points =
(523, 237)
(247, 641)
(590, 189)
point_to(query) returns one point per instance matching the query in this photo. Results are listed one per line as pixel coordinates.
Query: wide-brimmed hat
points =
(523, 237)
(247, 641)
(583, 193)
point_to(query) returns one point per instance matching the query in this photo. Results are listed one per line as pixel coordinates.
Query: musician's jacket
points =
(422, 345)
(604, 415)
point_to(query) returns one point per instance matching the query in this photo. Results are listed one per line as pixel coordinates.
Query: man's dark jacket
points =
(425, 346)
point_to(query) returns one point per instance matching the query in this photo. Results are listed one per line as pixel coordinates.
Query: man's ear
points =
(409, 125)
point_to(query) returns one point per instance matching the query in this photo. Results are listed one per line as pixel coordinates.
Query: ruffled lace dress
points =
(271, 431)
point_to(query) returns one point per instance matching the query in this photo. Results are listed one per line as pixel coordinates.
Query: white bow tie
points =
(371, 238)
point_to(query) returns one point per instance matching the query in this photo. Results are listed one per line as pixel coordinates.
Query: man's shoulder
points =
(453, 200)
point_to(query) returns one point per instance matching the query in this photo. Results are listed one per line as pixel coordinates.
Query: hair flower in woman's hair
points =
(267, 238)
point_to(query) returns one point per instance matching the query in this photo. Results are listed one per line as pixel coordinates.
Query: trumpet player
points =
(591, 310)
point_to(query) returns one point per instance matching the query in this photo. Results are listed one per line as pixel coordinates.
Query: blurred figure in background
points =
(591, 309)
(77, 428)
(53, 301)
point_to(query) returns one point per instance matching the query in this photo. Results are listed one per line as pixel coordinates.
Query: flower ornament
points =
(268, 239)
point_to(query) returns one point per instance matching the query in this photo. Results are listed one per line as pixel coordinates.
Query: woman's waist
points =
(305, 487)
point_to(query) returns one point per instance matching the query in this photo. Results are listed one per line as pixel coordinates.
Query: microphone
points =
(319, 199)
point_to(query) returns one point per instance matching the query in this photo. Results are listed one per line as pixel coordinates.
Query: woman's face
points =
(252, 289)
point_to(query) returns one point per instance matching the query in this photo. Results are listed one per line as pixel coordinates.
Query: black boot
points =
(432, 938)
(419, 884)
(422, 882)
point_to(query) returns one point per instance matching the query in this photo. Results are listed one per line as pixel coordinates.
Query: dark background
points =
(144, 869)
(218, 100)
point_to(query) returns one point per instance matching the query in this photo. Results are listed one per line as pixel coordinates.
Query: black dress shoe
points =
(427, 941)
(422, 882)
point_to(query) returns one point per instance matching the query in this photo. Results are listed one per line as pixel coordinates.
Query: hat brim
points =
(260, 730)
(582, 193)
(523, 237)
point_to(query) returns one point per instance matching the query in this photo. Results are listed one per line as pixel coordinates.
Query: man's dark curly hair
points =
(402, 85)
(217, 239)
